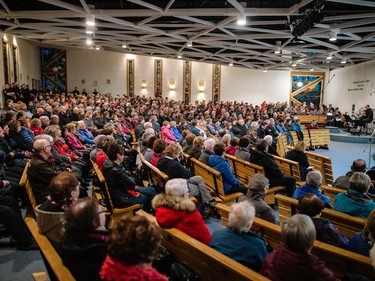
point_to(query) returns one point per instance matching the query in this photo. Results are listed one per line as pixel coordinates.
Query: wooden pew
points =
(340, 261)
(24, 182)
(331, 192)
(282, 143)
(113, 212)
(157, 177)
(320, 137)
(322, 164)
(213, 181)
(51, 256)
(307, 119)
(206, 262)
(244, 170)
(134, 143)
(346, 224)
(186, 161)
(289, 167)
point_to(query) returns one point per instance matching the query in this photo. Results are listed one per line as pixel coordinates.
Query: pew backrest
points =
(206, 262)
(289, 167)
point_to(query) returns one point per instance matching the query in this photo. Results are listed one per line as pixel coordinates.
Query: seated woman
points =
(84, 243)
(72, 138)
(15, 134)
(355, 201)
(188, 144)
(196, 149)
(258, 186)
(36, 126)
(237, 241)
(175, 209)
(232, 148)
(149, 153)
(170, 165)
(293, 258)
(167, 134)
(242, 150)
(217, 162)
(63, 193)
(122, 186)
(25, 132)
(312, 206)
(86, 134)
(298, 155)
(158, 148)
(132, 246)
(363, 241)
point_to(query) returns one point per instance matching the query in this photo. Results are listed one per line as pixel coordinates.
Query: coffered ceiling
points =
(164, 28)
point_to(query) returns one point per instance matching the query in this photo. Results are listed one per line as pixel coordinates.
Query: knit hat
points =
(98, 140)
(258, 183)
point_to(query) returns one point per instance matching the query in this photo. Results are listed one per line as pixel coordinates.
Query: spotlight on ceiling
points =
(294, 64)
(264, 69)
(89, 29)
(241, 20)
(329, 57)
(179, 56)
(124, 46)
(189, 43)
(90, 20)
(332, 36)
(231, 63)
(343, 61)
(97, 48)
(89, 41)
(278, 47)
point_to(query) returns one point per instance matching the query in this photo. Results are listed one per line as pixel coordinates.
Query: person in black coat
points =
(84, 243)
(122, 186)
(170, 165)
(298, 155)
(272, 171)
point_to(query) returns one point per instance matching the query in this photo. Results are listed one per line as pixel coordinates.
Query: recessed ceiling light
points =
(189, 43)
(241, 20)
(265, 70)
(332, 36)
(90, 20)
(329, 57)
(343, 61)
(124, 46)
(231, 64)
(97, 48)
(179, 56)
(88, 41)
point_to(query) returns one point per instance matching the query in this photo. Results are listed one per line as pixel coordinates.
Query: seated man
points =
(217, 161)
(41, 170)
(237, 241)
(293, 258)
(272, 171)
(208, 150)
(355, 201)
(358, 165)
(313, 182)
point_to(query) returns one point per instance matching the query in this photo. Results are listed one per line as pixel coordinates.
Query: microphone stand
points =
(369, 145)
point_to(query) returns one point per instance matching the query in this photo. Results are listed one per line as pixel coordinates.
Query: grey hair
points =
(269, 139)
(42, 118)
(241, 216)
(299, 233)
(360, 182)
(209, 144)
(314, 178)
(40, 143)
(177, 187)
(44, 137)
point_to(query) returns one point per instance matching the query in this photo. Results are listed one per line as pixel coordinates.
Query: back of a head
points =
(190, 139)
(114, 150)
(369, 230)
(300, 146)
(244, 142)
(358, 165)
(134, 241)
(314, 178)
(298, 233)
(241, 216)
(159, 145)
(234, 141)
(219, 149)
(269, 139)
(61, 187)
(82, 217)
(209, 144)
(310, 204)
(261, 145)
(198, 141)
(172, 150)
(258, 183)
(360, 182)
(176, 187)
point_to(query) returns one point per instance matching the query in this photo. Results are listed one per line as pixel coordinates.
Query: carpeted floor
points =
(18, 265)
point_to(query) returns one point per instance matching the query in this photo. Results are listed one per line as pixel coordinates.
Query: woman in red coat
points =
(175, 209)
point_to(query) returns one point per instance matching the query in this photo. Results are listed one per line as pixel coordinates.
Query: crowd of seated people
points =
(67, 130)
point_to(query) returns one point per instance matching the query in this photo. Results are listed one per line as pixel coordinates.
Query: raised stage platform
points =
(344, 136)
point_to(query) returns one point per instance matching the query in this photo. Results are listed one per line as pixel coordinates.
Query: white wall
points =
(343, 90)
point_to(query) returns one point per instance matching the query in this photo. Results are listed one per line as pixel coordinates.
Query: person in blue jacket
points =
(237, 241)
(313, 182)
(363, 241)
(355, 201)
(86, 134)
(217, 162)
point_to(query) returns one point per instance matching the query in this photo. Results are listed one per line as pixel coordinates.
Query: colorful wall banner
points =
(187, 81)
(307, 87)
(130, 77)
(158, 78)
(216, 80)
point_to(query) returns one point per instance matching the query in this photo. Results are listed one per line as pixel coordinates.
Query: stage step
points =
(333, 130)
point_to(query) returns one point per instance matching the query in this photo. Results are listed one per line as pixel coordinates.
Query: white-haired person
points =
(175, 209)
(258, 186)
(237, 241)
(293, 259)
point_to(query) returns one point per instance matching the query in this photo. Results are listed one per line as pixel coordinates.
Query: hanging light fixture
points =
(278, 47)
(89, 41)
(189, 43)
(124, 46)
(333, 36)
(89, 29)
(329, 57)
(90, 20)
(241, 20)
